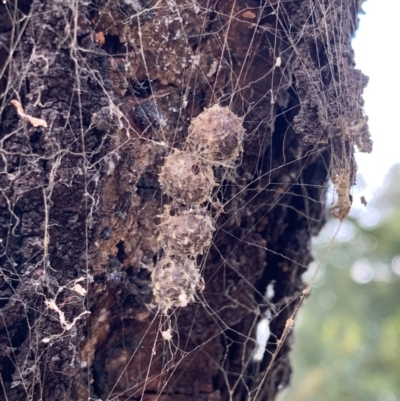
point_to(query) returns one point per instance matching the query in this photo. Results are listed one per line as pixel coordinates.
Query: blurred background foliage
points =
(347, 335)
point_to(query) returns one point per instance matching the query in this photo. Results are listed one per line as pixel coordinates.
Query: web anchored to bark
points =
(215, 138)
(153, 149)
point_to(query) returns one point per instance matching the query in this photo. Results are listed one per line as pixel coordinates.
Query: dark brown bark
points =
(117, 84)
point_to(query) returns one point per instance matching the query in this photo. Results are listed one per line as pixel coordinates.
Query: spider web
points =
(94, 96)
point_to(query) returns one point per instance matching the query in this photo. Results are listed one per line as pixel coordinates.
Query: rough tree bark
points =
(117, 84)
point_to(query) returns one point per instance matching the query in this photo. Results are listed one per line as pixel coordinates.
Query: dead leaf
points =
(36, 122)
(342, 205)
(100, 38)
(79, 289)
(249, 14)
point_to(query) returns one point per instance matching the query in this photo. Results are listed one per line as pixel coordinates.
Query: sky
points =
(376, 52)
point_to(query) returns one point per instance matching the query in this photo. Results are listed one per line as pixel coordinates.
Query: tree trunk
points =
(94, 96)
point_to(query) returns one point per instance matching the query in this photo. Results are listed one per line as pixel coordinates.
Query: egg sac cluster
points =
(186, 228)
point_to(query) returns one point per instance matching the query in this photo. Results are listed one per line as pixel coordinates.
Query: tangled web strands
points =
(97, 98)
(215, 138)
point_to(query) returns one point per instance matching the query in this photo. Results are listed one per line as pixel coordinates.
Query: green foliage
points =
(347, 337)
